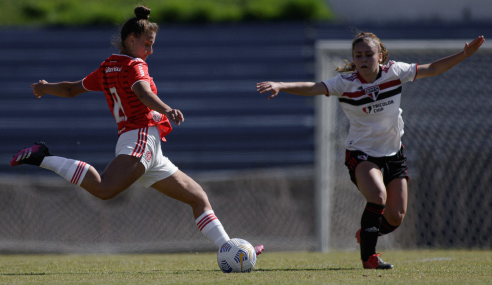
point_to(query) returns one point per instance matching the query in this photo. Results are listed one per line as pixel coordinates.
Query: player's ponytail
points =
(136, 26)
(142, 12)
(350, 66)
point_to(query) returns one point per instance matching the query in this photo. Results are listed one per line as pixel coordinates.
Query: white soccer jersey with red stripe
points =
(376, 125)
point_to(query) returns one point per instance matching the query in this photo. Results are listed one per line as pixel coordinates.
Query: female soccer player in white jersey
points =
(374, 155)
(142, 120)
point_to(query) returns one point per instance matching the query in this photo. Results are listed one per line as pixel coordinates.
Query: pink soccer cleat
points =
(357, 236)
(33, 155)
(259, 248)
(375, 262)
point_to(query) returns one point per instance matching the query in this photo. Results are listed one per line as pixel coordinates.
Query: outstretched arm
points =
(444, 64)
(60, 89)
(148, 98)
(297, 88)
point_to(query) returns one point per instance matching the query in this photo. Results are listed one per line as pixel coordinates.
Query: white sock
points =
(212, 228)
(72, 170)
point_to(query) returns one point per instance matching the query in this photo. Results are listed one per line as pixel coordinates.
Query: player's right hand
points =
(268, 86)
(175, 116)
(37, 88)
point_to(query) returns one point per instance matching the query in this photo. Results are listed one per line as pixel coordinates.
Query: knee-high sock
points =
(386, 227)
(370, 224)
(72, 170)
(212, 228)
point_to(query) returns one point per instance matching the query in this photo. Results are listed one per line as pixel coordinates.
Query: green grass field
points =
(411, 267)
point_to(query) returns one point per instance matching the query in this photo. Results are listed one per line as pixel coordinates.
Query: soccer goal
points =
(447, 142)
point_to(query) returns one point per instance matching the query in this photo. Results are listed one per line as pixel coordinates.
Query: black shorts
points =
(392, 167)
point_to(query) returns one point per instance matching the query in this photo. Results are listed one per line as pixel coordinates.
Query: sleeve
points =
(334, 85)
(406, 72)
(138, 71)
(91, 81)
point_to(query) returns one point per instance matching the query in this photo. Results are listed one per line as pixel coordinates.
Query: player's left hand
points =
(37, 88)
(473, 46)
(175, 116)
(268, 87)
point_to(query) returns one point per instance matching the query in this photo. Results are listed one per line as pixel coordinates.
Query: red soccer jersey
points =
(115, 77)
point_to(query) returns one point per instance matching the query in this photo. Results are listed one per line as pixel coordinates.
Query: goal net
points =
(447, 142)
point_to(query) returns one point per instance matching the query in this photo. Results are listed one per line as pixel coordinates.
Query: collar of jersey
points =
(119, 54)
(363, 81)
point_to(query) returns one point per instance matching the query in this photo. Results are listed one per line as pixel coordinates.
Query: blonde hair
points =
(350, 66)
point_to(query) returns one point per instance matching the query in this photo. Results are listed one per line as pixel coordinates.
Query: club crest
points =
(156, 116)
(372, 92)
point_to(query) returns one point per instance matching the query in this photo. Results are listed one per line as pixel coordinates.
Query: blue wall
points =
(208, 72)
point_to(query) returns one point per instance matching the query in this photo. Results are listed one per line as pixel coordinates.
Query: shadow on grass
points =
(22, 274)
(181, 271)
(267, 270)
(307, 269)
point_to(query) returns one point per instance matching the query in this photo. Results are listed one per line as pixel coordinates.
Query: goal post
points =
(446, 125)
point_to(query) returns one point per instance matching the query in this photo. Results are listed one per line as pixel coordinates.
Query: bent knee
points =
(396, 218)
(377, 198)
(106, 193)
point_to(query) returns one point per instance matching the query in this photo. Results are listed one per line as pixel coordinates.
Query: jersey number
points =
(117, 106)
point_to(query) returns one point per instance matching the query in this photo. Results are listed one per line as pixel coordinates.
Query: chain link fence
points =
(50, 215)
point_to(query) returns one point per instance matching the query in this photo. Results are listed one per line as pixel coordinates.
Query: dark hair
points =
(136, 26)
(350, 66)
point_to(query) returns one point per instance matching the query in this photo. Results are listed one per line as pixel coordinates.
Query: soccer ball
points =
(236, 255)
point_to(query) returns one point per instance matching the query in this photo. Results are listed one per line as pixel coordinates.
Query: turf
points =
(411, 267)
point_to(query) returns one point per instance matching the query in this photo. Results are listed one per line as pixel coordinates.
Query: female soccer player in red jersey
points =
(143, 122)
(374, 155)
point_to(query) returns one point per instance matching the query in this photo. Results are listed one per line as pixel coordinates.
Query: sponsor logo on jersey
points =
(362, 156)
(148, 155)
(377, 108)
(141, 69)
(372, 92)
(113, 69)
(367, 109)
(360, 88)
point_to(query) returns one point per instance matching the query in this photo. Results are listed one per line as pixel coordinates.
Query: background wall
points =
(253, 156)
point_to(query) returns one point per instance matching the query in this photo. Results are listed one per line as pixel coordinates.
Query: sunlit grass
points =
(411, 267)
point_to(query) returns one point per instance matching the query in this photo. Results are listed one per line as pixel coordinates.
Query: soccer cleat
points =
(357, 236)
(33, 155)
(375, 262)
(258, 249)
